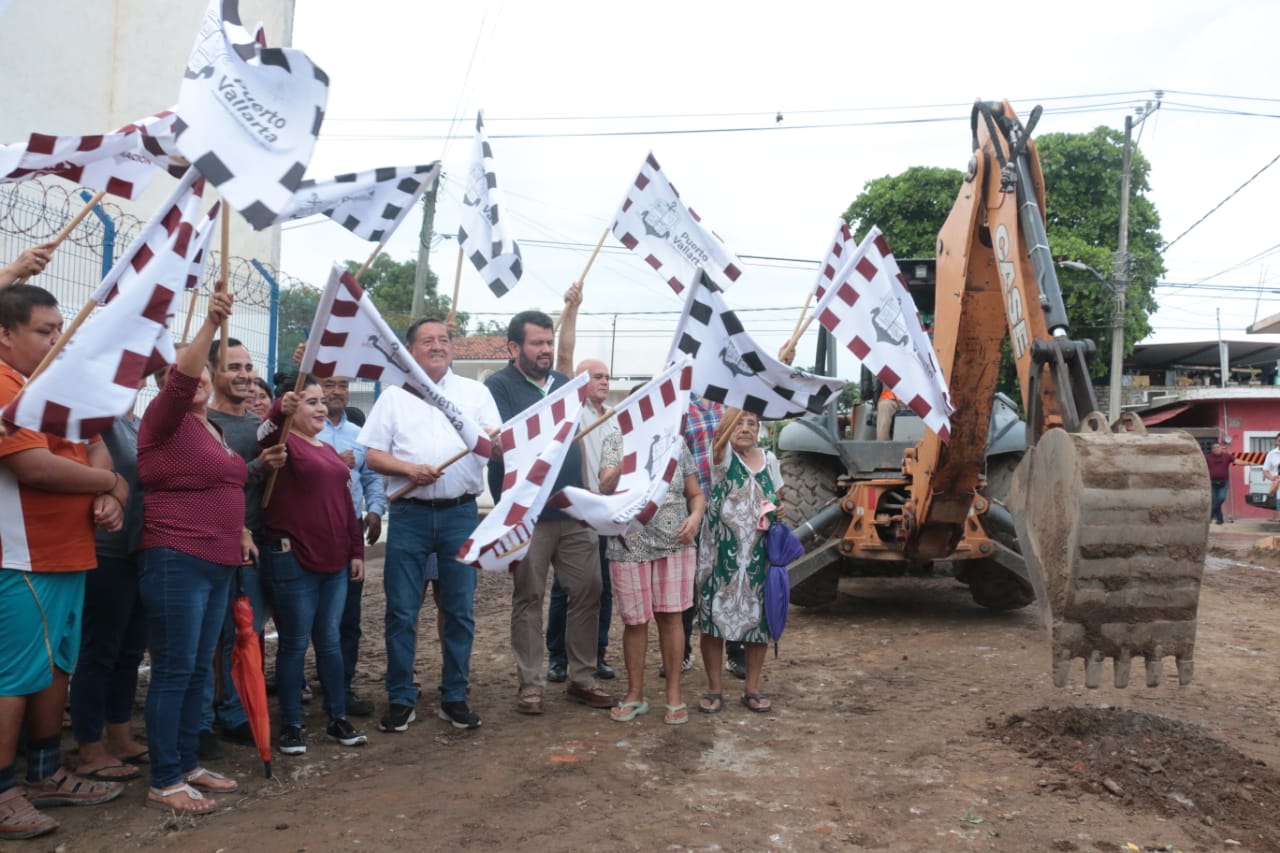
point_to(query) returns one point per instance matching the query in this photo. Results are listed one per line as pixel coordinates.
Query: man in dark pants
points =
(369, 496)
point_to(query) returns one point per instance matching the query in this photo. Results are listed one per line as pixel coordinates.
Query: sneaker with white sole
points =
(397, 719)
(343, 732)
(459, 715)
(293, 741)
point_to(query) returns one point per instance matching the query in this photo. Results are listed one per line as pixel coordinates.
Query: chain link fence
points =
(33, 212)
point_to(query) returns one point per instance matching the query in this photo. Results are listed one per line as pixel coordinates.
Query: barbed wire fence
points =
(33, 212)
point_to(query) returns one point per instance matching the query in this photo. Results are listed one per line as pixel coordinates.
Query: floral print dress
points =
(732, 561)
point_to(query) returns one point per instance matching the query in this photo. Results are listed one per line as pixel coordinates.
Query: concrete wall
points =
(89, 66)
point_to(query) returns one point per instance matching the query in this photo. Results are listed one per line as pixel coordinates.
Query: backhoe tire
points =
(809, 484)
(996, 588)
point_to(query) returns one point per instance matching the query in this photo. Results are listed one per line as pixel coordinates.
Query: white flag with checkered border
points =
(650, 422)
(729, 367)
(96, 377)
(655, 222)
(868, 308)
(349, 338)
(369, 204)
(837, 253)
(248, 115)
(534, 445)
(484, 233)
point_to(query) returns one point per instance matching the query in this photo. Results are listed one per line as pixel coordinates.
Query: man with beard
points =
(370, 499)
(557, 538)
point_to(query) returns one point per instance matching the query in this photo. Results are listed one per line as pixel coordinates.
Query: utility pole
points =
(424, 249)
(1120, 268)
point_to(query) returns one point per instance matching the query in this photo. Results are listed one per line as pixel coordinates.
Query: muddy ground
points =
(905, 719)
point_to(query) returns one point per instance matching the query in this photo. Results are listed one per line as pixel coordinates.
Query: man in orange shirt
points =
(52, 493)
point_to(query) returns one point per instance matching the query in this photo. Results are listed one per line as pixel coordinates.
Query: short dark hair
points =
(17, 300)
(412, 332)
(262, 383)
(287, 380)
(216, 345)
(515, 329)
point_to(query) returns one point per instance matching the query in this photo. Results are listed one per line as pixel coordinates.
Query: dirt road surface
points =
(905, 719)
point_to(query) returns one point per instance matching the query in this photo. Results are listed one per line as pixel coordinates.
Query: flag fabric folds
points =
(868, 308)
(349, 338)
(248, 115)
(484, 234)
(95, 378)
(122, 162)
(534, 444)
(833, 262)
(369, 204)
(651, 422)
(729, 367)
(654, 222)
(178, 214)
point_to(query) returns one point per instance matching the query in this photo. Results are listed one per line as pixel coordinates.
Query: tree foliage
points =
(1082, 173)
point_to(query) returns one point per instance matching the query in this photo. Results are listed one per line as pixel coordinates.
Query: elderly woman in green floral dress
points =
(732, 561)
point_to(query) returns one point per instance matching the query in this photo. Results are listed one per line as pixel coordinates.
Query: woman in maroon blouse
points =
(316, 549)
(193, 537)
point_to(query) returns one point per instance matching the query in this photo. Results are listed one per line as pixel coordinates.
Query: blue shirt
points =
(367, 491)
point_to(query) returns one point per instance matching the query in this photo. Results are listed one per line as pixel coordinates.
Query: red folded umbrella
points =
(246, 673)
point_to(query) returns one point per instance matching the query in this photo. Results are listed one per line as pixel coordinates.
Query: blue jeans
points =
(416, 531)
(228, 709)
(558, 610)
(1219, 498)
(185, 600)
(349, 632)
(113, 637)
(308, 608)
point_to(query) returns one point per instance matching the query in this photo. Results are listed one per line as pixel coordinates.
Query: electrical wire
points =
(1215, 208)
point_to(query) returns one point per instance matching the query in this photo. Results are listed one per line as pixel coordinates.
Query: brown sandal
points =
(196, 803)
(204, 779)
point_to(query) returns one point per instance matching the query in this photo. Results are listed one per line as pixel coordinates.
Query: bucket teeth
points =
(1186, 666)
(1155, 667)
(1122, 669)
(1093, 669)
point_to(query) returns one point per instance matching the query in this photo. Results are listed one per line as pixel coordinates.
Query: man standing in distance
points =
(557, 538)
(370, 499)
(408, 439)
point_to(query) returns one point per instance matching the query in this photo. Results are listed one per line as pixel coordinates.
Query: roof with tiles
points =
(480, 348)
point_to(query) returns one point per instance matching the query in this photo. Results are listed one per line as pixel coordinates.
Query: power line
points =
(1230, 196)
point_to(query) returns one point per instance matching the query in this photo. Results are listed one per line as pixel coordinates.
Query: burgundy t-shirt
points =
(1219, 465)
(311, 504)
(192, 483)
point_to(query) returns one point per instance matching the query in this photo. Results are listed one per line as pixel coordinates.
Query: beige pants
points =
(885, 410)
(575, 552)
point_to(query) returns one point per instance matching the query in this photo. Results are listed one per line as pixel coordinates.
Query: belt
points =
(441, 503)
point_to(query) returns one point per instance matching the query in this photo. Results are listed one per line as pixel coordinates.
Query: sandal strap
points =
(201, 772)
(179, 788)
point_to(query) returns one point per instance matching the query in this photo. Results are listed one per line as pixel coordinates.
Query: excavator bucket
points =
(1114, 529)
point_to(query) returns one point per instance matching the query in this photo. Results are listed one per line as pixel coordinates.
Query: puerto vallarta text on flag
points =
(868, 308)
(534, 445)
(654, 222)
(248, 115)
(95, 378)
(484, 234)
(349, 338)
(650, 422)
(729, 367)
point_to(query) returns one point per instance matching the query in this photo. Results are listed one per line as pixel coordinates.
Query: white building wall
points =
(89, 66)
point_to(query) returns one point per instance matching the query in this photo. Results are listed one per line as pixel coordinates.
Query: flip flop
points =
(761, 706)
(104, 774)
(143, 757)
(677, 715)
(711, 703)
(628, 711)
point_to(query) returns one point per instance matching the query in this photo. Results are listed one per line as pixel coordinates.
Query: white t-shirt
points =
(1271, 464)
(593, 443)
(415, 431)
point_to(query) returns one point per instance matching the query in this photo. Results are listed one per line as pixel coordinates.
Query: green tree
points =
(1082, 196)
(390, 285)
(297, 310)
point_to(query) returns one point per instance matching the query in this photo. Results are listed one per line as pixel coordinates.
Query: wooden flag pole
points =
(457, 282)
(803, 310)
(796, 336)
(284, 436)
(608, 413)
(64, 338)
(222, 287)
(191, 312)
(409, 487)
(721, 440)
(373, 257)
(66, 230)
(581, 279)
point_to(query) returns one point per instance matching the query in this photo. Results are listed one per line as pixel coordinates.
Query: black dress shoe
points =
(603, 670)
(557, 672)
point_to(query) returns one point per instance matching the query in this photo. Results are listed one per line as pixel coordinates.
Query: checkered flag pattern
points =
(122, 162)
(248, 115)
(178, 214)
(837, 252)
(729, 367)
(534, 445)
(484, 233)
(368, 204)
(868, 308)
(651, 422)
(654, 222)
(95, 378)
(349, 338)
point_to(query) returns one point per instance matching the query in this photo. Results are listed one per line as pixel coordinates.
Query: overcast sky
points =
(865, 90)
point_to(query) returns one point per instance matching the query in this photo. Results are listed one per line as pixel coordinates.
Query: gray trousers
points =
(574, 551)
